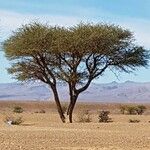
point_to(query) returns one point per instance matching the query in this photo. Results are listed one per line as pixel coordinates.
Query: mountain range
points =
(126, 92)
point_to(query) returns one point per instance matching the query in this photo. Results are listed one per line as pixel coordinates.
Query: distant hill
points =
(111, 92)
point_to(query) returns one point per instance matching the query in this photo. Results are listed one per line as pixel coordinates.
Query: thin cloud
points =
(10, 21)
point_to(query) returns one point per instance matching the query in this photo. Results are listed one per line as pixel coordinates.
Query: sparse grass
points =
(47, 129)
(64, 108)
(11, 120)
(84, 116)
(134, 121)
(42, 111)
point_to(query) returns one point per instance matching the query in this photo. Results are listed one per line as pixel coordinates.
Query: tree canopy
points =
(76, 55)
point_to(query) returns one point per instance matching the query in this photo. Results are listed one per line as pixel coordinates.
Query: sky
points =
(130, 14)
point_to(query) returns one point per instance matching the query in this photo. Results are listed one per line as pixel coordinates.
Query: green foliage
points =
(103, 116)
(132, 109)
(27, 47)
(60, 50)
(18, 109)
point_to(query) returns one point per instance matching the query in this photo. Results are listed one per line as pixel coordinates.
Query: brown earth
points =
(46, 132)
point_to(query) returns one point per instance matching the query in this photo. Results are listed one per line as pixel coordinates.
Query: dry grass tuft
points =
(84, 116)
(13, 120)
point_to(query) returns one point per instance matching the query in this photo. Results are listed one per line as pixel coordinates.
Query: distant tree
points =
(140, 109)
(131, 110)
(123, 109)
(75, 55)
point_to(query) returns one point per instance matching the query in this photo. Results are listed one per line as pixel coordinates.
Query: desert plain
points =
(44, 131)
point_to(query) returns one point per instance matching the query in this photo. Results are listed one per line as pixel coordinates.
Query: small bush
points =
(134, 121)
(103, 116)
(18, 109)
(84, 116)
(42, 111)
(13, 120)
(140, 109)
(131, 110)
(122, 109)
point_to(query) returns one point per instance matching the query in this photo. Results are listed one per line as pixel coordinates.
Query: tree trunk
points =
(71, 107)
(59, 108)
(68, 109)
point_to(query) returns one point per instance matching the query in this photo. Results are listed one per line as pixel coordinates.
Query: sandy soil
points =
(46, 132)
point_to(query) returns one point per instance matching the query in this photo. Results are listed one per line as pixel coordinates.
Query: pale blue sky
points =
(131, 14)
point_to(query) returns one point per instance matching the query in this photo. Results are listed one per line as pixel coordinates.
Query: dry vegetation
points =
(44, 131)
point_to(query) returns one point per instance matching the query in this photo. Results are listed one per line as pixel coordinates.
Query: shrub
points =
(140, 109)
(13, 120)
(42, 111)
(131, 110)
(122, 109)
(18, 109)
(84, 116)
(134, 121)
(103, 116)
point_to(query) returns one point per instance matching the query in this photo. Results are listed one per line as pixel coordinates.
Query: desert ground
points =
(44, 131)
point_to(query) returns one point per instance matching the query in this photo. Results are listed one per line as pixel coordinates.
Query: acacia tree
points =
(29, 50)
(75, 55)
(86, 51)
